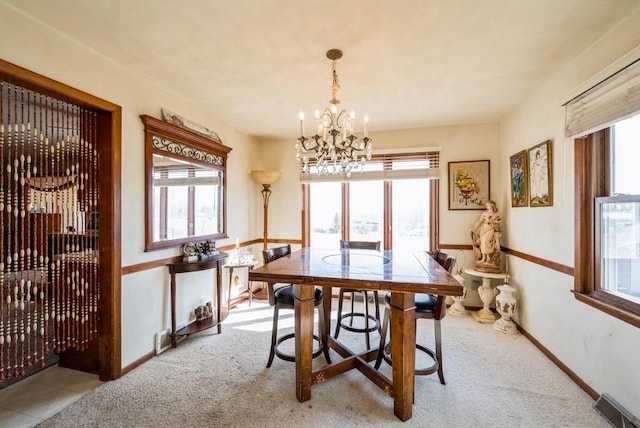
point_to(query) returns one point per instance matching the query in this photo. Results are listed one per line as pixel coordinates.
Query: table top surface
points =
(399, 271)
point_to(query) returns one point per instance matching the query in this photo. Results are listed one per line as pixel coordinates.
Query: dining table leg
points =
(403, 352)
(303, 297)
(326, 307)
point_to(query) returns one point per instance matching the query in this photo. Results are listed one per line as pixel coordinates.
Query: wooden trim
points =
(387, 215)
(574, 377)
(140, 267)
(592, 154)
(618, 308)
(110, 151)
(568, 270)
(286, 241)
(455, 247)
(137, 363)
(110, 247)
(306, 204)
(434, 220)
(344, 226)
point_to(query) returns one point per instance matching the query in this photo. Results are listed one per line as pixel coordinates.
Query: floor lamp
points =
(266, 178)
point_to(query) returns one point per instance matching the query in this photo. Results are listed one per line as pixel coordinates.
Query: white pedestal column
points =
(487, 293)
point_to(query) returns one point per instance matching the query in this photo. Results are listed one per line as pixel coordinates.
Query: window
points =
(394, 201)
(366, 210)
(325, 214)
(607, 271)
(410, 221)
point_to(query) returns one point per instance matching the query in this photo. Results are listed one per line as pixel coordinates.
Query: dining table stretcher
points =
(401, 273)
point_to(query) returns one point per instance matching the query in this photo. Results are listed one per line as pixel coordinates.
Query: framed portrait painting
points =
(540, 175)
(519, 179)
(468, 185)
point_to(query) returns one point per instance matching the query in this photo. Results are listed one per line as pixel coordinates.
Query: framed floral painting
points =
(540, 177)
(519, 179)
(468, 185)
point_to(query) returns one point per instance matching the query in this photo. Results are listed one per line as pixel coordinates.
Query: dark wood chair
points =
(427, 307)
(345, 320)
(282, 298)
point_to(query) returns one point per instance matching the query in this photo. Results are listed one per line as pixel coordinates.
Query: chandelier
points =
(333, 148)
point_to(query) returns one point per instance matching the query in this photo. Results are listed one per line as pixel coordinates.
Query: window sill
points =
(615, 306)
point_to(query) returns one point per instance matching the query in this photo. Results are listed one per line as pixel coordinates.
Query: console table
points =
(220, 301)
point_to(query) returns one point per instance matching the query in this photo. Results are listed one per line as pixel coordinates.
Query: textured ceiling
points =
(407, 63)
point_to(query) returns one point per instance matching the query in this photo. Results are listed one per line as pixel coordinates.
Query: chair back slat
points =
(447, 261)
(360, 245)
(275, 253)
(270, 255)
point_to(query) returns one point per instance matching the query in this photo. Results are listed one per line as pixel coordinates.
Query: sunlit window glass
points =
(366, 211)
(410, 223)
(626, 152)
(325, 214)
(620, 220)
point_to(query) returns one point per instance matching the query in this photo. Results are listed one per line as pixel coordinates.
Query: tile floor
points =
(40, 396)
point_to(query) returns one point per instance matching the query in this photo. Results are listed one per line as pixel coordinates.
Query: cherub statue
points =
(485, 238)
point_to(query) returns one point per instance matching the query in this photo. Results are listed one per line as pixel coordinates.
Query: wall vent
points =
(614, 413)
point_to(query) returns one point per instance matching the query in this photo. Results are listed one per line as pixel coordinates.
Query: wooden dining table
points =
(399, 272)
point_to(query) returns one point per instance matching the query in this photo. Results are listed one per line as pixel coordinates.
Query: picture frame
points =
(469, 184)
(519, 178)
(540, 175)
(238, 283)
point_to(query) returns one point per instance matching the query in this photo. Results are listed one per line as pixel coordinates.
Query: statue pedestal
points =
(487, 293)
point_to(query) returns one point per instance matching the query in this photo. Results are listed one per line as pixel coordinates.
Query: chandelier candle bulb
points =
(301, 116)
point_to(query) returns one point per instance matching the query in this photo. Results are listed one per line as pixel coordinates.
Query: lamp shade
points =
(265, 177)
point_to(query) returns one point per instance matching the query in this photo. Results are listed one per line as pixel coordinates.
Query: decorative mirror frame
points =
(167, 139)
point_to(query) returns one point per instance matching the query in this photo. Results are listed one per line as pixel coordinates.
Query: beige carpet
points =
(210, 380)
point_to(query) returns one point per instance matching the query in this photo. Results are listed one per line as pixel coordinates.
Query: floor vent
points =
(163, 341)
(614, 413)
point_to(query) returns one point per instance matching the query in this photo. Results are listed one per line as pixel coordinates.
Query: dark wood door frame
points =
(108, 355)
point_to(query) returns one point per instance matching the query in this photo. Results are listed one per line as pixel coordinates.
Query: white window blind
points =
(613, 99)
(387, 166)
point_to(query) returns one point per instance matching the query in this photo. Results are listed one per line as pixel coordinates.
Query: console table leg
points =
(174, 337)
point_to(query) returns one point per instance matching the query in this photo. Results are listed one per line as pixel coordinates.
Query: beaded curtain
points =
(48, 216)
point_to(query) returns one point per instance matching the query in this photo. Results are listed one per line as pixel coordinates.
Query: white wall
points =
(145, 305)
(600, 349)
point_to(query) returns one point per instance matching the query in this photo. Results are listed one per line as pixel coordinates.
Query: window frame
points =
(592, 180)
(387, 216)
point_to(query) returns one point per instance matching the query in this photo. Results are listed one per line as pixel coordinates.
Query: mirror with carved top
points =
(185, 175)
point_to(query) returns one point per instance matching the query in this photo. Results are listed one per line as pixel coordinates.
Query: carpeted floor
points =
(210, 380)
